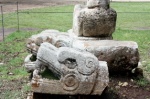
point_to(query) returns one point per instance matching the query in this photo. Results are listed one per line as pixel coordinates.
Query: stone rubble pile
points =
(83, 57)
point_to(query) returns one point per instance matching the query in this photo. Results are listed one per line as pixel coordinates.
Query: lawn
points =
(132, 24)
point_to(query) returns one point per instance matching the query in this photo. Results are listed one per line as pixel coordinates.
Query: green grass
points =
(131, 6)
(126, 19)
(60, 21)
(13, 51)
(143, 40)
(132, 16)
(141, 37)
(142, 82)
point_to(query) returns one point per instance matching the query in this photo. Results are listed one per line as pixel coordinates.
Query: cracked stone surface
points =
(96, 19)
(76, 70)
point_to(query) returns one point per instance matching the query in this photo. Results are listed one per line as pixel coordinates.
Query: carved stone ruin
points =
(75, 69)
(96, 19)
(83, 57)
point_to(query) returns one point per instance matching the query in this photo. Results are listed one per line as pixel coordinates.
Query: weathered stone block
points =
(74, 36)
(53, 37)
(80, 59)
(28, 64)
(98, 3)
(78, 70)
(121, 56)
(97, 21)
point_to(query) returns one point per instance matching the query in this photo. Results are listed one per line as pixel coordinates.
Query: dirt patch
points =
(114, 91)
(127, 88)
(119, 88)
(13, 89)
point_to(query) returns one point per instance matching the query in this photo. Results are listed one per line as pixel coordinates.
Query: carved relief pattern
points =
(79, 60)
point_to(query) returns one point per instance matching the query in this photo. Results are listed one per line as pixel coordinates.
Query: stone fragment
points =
(125, 84)
(117, 87)
(10, 73)
(1, 63)
(98, 3)
(121, 56)
(54, 37)
(95, 20)
(28, 64)
(81, 59)
(76, 70)
(74, 36)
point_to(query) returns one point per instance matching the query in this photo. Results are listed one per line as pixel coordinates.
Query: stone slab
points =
(97, 21)
(121, 56)
(77, 70)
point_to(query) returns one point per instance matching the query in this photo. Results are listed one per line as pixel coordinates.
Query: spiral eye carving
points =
(90, 64)
(87, 66)
(70, 82)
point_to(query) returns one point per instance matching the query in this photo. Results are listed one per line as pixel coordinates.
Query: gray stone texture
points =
(98, 3)
(121, 56)
(54, 37)
(76, 69)
(28, 64)
(94, 20)
(82, 57)
(74, 36)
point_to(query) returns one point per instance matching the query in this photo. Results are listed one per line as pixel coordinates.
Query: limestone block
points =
(28, 64)
(121, 56)
(98, 3)
(94, 22)
(73, 36)
(77, 70)
(54, 37)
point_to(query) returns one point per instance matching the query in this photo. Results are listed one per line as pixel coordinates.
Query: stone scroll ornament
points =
(79, 72)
